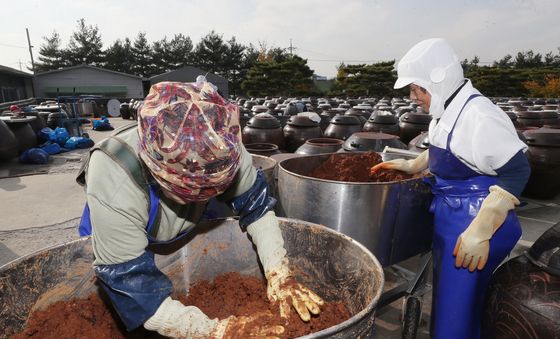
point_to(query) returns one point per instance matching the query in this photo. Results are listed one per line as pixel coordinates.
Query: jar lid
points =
(416, 118)
(259, 109)
(301, 121)
(263, 120)
(372, 141)
(546, 114)
(542, 137)
(383, 117)
(345, 120)
(545, 252)
(528, 115)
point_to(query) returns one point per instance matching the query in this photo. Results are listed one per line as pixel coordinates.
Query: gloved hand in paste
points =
(282, 287)
(411, 166)
(175, 320)
(473, 245)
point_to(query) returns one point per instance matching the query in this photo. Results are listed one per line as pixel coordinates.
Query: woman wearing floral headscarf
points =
(188, 144)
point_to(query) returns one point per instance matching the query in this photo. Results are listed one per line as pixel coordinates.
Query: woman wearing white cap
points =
(479, 171)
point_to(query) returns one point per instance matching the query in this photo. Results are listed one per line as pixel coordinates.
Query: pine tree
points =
(142, 54)
(50, 54)
(119, 56)
(210, 53)
(85, 46)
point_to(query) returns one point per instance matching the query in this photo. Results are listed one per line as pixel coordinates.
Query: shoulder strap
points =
(125, 156)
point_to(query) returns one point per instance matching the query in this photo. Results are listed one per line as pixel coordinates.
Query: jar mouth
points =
(261, 147)
(325, 141)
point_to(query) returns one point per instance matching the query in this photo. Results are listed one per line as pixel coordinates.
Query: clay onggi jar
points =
(544, 157)
(263, 128)
(412, 124)
(343, 126)
(382, 121)
(298, 129)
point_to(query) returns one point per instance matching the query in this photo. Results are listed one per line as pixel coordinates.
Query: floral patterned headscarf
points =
(189, 139)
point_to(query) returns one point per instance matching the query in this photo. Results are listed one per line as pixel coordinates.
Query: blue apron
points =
(458, 295)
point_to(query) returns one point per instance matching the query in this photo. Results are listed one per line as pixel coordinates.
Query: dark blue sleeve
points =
(136, 288)
(513, 176)
(254, 203)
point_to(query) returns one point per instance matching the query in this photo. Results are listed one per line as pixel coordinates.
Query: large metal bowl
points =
(334, 265)
(391, 219)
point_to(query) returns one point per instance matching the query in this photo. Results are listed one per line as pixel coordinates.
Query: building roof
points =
(214, 78)
(5, 69)
(89, 66)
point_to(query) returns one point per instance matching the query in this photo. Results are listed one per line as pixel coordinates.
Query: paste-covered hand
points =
(285, 290)
(175, 320)
(282, 287)
(247, 327)
(411, 166)
(473, 245)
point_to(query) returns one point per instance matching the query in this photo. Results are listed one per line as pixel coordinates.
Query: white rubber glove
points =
(175, 320)
(411, 166)
(282, 287)
(473, 245)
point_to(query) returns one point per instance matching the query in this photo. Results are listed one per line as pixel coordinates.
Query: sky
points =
(325, 32)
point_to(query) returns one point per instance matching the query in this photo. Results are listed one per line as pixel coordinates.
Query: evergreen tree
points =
(528, 59)
(50, 54)
(119, 56)
(85, 46)
(142, 55)
(210, 53)
(505, 62)
(180, 51)
(233, 65)
(160, 56)
(171, 54)
(366, 80)
(292, 77)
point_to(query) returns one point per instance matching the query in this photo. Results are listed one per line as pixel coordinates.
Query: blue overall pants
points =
(458, 295)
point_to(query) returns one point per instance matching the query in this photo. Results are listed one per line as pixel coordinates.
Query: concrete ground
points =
(41, 206)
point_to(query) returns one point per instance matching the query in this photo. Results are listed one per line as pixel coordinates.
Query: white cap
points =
(433, 65)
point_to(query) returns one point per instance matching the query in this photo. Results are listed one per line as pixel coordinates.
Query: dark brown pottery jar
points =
(382, 121)
(420, 143)
(298, 129)
(343, 126)
(8, 142)
(262, 149)
(549, 117)
(320, 146)
(529, 119)
(263, 128)
(37, 123)
(412, 124)
(23, 132)
(544, 158)
(371, 141)
(362, 115)
(524, 293)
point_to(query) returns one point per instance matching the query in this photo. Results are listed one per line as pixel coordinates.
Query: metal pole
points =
(30, 51)
(32, 62)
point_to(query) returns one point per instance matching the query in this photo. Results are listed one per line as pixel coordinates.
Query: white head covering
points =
(433, 65)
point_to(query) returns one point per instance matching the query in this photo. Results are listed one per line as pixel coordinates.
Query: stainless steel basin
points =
(391, 219)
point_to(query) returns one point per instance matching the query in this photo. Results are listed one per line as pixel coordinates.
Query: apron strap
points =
(457, 119)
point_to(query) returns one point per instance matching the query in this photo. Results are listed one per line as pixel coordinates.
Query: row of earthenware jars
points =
(265, 128)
